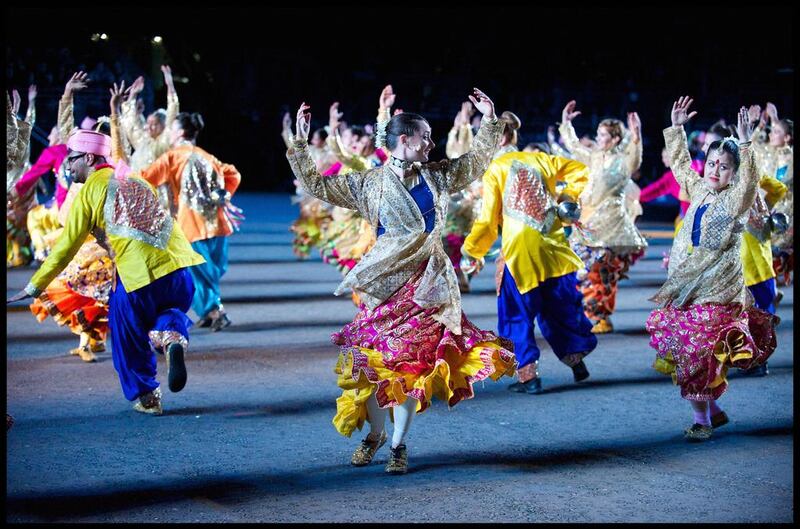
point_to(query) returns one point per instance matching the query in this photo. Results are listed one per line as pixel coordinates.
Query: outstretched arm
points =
(66, 119)
(677, 146)
(340, 190)
(567, 131)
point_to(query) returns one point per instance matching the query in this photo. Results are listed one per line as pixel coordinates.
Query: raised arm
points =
(469, 167)
(66, 118)
(340, 190)
(677, 146)
(567, 131)
(745, 186)
(18, 135)
(130, 120)
(173, 107)
(30, 114)
(633, 150)
(118, 94)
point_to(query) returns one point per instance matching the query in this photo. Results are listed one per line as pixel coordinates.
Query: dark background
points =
(246, 66)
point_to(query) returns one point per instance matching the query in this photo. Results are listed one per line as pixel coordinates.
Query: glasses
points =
(74, 157)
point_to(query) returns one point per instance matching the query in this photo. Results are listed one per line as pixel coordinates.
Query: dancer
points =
(707, 322)
(606, 239)
(410, 341)
(152, 289)
(537, 271)
(201, 187)
(776, 159)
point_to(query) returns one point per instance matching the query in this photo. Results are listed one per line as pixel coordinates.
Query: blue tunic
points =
(423, 197)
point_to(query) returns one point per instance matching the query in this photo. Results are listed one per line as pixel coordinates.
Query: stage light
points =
(157, 39)
(103, 36)
(95, 37)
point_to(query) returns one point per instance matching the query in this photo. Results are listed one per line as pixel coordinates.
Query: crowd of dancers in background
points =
(137, 231)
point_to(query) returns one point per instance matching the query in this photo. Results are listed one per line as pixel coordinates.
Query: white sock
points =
(403, 415)
(376, 416)
(701, 412)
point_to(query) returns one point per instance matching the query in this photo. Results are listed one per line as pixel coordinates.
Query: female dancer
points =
(707, 322)
(606, 239)
(201, 187)
(410, 341)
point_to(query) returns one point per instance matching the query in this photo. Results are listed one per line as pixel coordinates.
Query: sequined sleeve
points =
(469, 167)
(745, 187)
(680, 160)
(286, 134)
(82, 218)
(162, 143)
(18, 135)
(573, 144)
(159, 172)
(66, 119)
(459, 141)
(117, 148)
(30, 115)
(132, 125)
(633, 156)
(339, 190)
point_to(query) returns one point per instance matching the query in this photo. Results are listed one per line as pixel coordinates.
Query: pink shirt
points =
(50, 160)
(667, 185)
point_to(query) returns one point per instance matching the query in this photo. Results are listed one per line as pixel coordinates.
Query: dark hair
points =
(541, 146)
(721, 129)
(729, 146)
(357, 131)
(191, 124)
(405, 123)
(323, 134)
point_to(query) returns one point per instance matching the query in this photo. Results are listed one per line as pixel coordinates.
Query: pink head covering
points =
(91, 142)
(88, 123)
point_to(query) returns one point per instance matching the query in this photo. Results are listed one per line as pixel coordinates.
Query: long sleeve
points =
(117, 148)
(774, 188)
(18, 136)
(633, 155)
(66, 119)
(286, 134)
(745, 187)
(574, 173)
(231, 176)
(469, 167)
(666, 185)
(484, 229)
(339, 190)
(680, 160)
(82, 218)
(162, 144)
(43, 164)
(459, 141)
(30, 115)
(573, 144)
(132, 125)
(160, 171)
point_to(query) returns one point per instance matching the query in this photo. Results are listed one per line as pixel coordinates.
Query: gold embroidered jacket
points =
(378, 194)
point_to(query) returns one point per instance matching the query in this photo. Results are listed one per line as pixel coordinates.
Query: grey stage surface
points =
(250, 438)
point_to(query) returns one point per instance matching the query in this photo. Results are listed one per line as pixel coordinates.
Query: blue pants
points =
(207, 275)
(160, 306)
(557, 305)
(764, 294)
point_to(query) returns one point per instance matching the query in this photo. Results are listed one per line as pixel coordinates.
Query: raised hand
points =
(635, 125)
(304, 122)
(32, 93)
(772, 113)
(16, 101)
(569, 113)
(467, 111)
(137, 86)
(754, 113)
(118, 94)
(679, 114)
(386, 100)
(167, 71)
(78, 81)
(744, 127)
(287, 122)
(482, 103)
(334, 115)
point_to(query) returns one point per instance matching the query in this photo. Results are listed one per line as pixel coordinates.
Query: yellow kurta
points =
(143, 240)
(518, 194)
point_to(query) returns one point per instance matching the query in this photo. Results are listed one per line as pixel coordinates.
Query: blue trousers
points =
(207, 275)
(557, 305)
(764, 294)
(160, 306)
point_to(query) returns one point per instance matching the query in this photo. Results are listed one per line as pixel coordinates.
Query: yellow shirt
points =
(518, 194)
(143, 240)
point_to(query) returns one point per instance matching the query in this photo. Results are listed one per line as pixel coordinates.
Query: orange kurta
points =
(193, 175)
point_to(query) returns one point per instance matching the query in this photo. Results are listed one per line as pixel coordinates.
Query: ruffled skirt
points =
(399, 350)
(698, 345)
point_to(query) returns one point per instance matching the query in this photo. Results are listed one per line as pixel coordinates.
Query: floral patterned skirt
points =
(399, 350)
(599, 283)
(698, 345)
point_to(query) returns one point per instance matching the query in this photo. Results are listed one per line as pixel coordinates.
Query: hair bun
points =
(511, 120)
(197, 119)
